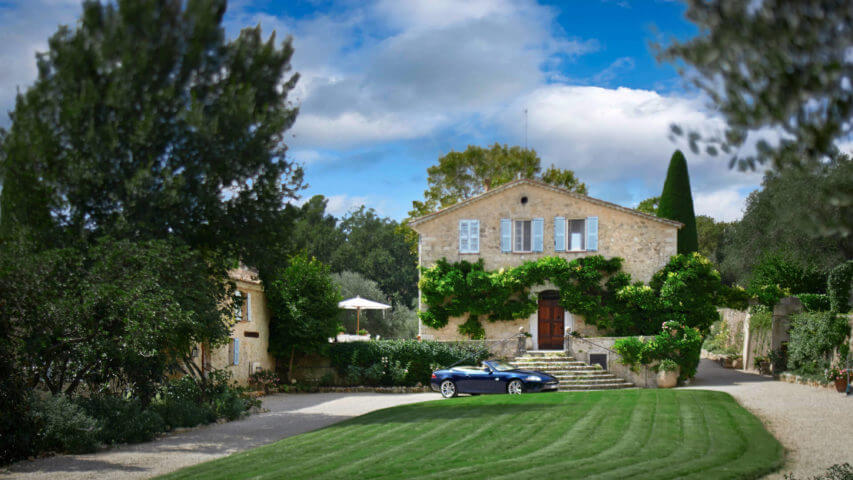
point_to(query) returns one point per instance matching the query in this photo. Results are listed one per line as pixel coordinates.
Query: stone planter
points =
(667, 379)
(737, 363)
(841, 385)
(764, 368)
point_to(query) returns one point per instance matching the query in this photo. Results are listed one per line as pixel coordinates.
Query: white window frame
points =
(515, 223)
(248, 306)
(472, 242)
(569, 246)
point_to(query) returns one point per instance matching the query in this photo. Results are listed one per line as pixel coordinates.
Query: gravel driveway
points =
(815, 425)
(289, 414)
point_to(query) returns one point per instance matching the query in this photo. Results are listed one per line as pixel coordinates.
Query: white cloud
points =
(616, 140)
(340, 205)
(721, 205)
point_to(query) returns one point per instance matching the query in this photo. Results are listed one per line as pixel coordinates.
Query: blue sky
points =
(388, 86)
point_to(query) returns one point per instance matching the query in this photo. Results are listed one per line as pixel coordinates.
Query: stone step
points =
(592, 381)
(581, 377)
(606, 386)
(551, 365)
(572, 369)
(545, 353)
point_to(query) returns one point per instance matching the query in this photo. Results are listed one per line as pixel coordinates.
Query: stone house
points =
(247, 348)
(526, 219)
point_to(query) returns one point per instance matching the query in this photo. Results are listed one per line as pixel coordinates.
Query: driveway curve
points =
(287, 415)
(815, 425)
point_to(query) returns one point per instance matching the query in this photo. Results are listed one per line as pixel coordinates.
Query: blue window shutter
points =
(236, 351)
(506, 235)
(538, 234)
(592, 234)
(474, 236)
(559, 234)
(463, 236)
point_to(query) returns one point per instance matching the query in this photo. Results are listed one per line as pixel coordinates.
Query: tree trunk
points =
(290, 367)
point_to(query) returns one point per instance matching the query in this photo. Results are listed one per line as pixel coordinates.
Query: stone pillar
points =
(782, 321)
(746, 354)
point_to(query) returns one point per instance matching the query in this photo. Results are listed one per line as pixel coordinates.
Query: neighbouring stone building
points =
(526, 219)
(247, 348)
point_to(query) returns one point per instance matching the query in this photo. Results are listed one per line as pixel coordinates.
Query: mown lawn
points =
(616, 434)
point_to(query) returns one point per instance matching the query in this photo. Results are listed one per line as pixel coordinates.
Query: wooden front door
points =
(550, 324)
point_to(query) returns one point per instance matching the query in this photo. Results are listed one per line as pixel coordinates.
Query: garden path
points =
(815, 425)
(289, 414)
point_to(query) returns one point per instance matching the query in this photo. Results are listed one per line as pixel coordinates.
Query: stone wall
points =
(581, 348)
(645, 244)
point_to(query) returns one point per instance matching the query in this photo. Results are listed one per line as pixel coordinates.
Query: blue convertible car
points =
(491, 377)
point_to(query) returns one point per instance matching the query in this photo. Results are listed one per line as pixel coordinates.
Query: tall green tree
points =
(119, 314)
(782, 218)
(378, 248)
(400, 322)
(303, 302)
(778, 66)
(462, 175)
(145, 122)
(676, 203)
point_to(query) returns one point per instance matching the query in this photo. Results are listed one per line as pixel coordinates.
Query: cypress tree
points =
(676, 203)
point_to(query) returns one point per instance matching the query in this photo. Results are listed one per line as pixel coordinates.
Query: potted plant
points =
(762, 364)
(667, 373)
(732, 360)
(838, 376)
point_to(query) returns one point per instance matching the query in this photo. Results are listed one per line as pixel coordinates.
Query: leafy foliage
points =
(676, 203)
(649, 205)
(687, 290)
(814, 335)
(674, 343)
(122, 420)
(303, 302)
(776, 269)
(145, 122)
(462, 175)
(770, 66)
(62, 425)
(815, 302)
(839, 284)
(418, 358)
(120, 314)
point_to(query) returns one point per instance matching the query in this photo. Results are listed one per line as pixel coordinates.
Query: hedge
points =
(838, 286)
(417, 358)
(813, 338)
(814, 302)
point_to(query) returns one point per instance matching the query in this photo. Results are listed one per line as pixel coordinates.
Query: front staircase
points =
(572, 374)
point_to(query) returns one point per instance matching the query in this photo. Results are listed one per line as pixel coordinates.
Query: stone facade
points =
(644, 242)
(252, 333)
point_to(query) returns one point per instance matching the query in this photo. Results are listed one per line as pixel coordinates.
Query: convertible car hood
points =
(530, 372)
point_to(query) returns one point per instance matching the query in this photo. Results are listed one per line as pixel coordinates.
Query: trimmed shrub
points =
(814, 302)
(814, 335)
(63, 426)
(122, 420)
(399, 362)
(675, 342)
(179, 412)
(676, 203)
(839, 285)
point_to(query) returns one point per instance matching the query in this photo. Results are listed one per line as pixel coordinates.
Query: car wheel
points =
(515, 387)
(448, 389)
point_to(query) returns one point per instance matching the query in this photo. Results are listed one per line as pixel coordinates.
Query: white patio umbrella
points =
(358, 304)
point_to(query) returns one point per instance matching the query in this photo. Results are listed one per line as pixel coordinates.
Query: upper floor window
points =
(577, 232)
(575, 235)
(469, 236)
(523, 241)
(243, 310)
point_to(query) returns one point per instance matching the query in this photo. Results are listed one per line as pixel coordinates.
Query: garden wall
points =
(582, 349)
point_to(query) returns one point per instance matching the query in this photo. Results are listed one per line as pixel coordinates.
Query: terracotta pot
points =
(726, 362)
(667, 379)
(737, 363)
(841, 384)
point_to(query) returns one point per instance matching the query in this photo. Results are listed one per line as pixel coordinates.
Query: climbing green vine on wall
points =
(688, 290)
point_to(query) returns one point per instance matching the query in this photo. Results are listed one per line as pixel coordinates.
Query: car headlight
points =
(533, 378)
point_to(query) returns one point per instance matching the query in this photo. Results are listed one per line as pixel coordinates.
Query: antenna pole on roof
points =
(525, 128)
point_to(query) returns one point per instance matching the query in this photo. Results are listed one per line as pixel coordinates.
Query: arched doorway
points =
(551, 328)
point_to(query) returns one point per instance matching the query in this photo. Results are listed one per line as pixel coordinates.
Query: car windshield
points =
(501, 367)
